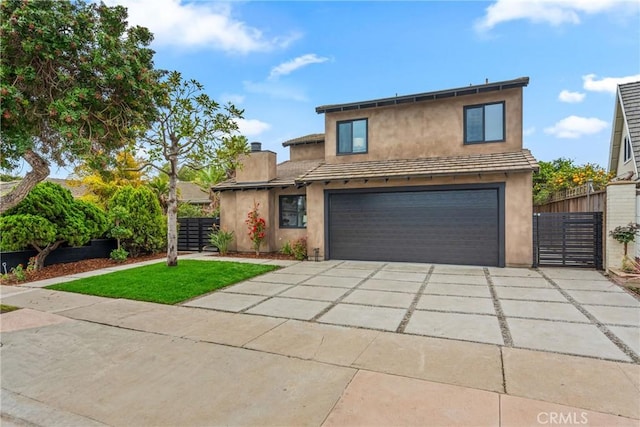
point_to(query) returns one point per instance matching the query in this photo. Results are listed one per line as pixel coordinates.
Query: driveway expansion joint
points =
(283, 291)
(502, 320)
(346, 294)
(414, 303)
(601, 326)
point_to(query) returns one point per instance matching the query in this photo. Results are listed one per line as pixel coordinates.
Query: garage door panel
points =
(446, 226)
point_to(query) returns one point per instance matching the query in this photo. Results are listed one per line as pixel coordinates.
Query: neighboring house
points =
(624, 152)
(188, 192)
(623, 204)
(77, 189)
(193, 194)
(434, 177)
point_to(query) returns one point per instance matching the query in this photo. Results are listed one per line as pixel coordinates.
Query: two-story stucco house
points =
(436, 177)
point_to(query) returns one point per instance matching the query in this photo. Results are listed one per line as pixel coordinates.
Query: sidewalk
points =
(73, 359)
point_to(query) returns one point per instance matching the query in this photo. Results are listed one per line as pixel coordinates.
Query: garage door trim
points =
(499, 186)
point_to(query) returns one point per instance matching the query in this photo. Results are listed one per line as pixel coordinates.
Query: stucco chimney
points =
(257, 166)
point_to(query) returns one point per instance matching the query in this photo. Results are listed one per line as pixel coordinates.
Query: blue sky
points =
(280, 60)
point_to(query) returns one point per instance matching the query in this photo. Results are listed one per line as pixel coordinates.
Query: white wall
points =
(621, 210)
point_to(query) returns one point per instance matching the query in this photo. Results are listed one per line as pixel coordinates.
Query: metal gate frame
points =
(193, 233)
(568, 239)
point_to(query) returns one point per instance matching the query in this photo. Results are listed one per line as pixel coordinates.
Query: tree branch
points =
(39, 171)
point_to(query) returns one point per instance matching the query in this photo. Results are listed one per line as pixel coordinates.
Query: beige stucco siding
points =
(426, 129)
(259, 166)
(306, 152)
(518, 209)
(228, 215)
(234, 207)
(519, 220)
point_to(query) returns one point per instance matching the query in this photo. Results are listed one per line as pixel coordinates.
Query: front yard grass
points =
(166, 285)
(4, 308)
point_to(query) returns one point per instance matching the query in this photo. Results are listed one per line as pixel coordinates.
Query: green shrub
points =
(299, 249)
(19, 273)
(221, 240)
(187, 210)
(20, 231)
(143, 218)
(47, 217)
(119, 254)
(286, 249)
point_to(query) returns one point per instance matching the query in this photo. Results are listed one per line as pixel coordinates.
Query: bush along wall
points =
(98, 248)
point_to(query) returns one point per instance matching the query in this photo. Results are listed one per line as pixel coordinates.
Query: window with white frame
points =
(627, 149)
(484, 123)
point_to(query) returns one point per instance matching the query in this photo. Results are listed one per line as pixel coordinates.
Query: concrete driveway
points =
(560, 310)
(332, 343)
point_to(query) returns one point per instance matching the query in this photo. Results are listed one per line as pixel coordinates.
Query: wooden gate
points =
(568, 239)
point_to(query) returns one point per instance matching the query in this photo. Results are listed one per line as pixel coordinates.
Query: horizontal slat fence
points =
(568, 239)
(193, 233)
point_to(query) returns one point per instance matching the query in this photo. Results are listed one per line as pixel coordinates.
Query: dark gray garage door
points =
(461, 226)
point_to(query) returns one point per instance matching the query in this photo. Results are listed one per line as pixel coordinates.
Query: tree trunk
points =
(39, 264)
(172, 216)
(39, 171)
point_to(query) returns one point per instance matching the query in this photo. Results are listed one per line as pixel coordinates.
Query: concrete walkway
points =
(70, 359)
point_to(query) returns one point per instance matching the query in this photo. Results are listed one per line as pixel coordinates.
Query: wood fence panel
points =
(595, 202)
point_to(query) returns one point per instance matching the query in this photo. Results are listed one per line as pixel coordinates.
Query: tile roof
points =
(630, 98)
(426, 96)
(287, 172)
(188, 192)
(313, 138)
(519, 161)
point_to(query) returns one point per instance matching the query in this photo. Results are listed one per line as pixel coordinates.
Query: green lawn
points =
(166, 285)
(7, 308)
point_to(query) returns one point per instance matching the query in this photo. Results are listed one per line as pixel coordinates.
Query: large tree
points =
(562, 174)
(102, 182)
(188, 129)
(48, 217)
(75, 81)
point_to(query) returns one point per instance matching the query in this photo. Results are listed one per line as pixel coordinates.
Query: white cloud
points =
(529, 131)
(276, 89)
(252, 127)
(296, 63)
(571, 97)
(553, 12)
(574, 127)
(199, 25)
(606, 84)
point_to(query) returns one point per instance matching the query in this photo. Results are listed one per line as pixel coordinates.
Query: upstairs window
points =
(293, 212)
(484, 123)
(627, 149)
(352, 137)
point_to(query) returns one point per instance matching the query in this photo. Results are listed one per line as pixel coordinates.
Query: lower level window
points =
(293, 211)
